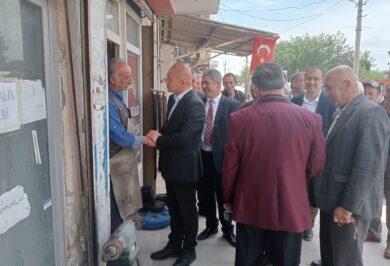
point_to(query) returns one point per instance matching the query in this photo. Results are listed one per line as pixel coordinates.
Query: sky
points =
(312, 17)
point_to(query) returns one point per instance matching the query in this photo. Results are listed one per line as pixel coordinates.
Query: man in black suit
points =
(214, 137)
(179, 164)
(229, 83)
(315, 101)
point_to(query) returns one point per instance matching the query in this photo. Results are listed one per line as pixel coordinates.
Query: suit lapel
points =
(300, 99)
(220, 110)
(345, 115)
(181, 103)
(320, 105)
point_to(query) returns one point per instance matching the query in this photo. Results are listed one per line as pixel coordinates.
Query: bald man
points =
(179, 164)
(349, 192)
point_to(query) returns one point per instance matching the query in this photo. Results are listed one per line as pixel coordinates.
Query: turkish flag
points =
(263, 51)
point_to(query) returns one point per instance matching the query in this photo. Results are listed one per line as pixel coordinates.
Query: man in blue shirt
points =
(125, 188)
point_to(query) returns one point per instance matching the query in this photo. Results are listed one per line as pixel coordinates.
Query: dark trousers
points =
(375, 229)
(342, 246)
(210, 194)
(284, 247)
(181, 202)
(116, 219)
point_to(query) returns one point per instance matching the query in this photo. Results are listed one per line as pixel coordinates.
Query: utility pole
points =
(247, 89)
(356, 63)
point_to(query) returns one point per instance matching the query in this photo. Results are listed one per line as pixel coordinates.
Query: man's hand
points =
(153, 135)
(148, 141)
(341, 216)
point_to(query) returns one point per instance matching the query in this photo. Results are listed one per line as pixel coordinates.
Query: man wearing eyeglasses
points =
(315, 101)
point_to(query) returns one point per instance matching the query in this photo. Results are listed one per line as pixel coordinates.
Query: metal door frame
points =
(54, 126)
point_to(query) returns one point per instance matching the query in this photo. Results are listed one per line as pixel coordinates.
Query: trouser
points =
(341, 245)
(116, 219)
(181, 202)
(210, 186)
(284, 247)
(375, 228)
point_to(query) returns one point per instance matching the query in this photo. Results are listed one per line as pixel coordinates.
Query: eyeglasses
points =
(313, 79)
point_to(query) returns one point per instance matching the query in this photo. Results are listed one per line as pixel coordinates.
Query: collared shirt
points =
(118, 132)
(177, 98)
(310, 105)
(337, 115)
(215, 108)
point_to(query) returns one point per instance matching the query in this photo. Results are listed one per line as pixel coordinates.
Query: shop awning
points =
(205, 35)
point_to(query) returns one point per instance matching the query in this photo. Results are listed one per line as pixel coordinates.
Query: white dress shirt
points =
(178, 97)
(215, 108)
(310, 105)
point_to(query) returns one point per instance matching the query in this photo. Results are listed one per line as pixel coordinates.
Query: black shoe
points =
(149, 202)
(185, 259)
(167, 252)
(207, 232)
(316, 263)
(308, 235)
(230, 237)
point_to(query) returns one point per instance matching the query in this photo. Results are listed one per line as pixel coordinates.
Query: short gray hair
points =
(268, 76)
(111, 66)
(314, 68)
(214, 74)
(296, 75)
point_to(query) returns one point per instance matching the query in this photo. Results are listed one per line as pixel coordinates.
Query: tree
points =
(324, 50)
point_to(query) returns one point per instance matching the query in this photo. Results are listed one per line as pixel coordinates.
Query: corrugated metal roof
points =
(195, 33)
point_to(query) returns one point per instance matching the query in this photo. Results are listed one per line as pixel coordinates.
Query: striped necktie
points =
(208, 131)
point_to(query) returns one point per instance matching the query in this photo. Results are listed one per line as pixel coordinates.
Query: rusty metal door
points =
(26, 173)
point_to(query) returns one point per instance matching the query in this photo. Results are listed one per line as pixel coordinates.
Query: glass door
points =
(26, 218)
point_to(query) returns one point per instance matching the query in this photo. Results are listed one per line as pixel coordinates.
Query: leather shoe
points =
(386, 254)
(230, 237)
(308, 235)
(206, 233)
(316, 263)
(185, 259)
(371, 238)
(167, 252)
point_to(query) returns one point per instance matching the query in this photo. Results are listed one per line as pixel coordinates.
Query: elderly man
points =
(315, 101)
(214, 137)
(273, 148)
(229, 83)
(297, 85)
(373, 91)
(125, 188)
(349, 192)
(179, 164)
(375, 230)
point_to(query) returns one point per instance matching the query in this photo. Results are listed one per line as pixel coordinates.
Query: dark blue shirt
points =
(118, 132)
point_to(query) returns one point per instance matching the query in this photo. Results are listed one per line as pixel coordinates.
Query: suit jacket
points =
(325, 108)
(273, 148)
(179, 144)
(220, 128)
(356, 152)
(239, 95)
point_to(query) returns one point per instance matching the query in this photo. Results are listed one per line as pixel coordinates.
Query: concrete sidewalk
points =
(215, 251)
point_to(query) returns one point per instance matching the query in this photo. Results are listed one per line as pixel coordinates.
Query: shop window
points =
(112, 16)
(132, 31)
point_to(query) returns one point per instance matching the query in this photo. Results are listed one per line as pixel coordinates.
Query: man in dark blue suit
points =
(214, 137)
(316, 101)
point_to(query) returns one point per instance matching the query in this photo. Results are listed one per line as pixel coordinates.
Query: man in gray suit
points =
(350, 190)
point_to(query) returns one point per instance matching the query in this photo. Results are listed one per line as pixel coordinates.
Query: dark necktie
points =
(208, 131)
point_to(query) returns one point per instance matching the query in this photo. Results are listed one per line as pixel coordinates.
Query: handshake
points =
(151, 138)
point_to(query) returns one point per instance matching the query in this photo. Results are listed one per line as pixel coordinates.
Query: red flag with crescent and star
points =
(263, 51)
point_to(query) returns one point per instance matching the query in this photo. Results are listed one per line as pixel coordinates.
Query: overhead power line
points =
(326, 11)
(278, 9)
(282, 20)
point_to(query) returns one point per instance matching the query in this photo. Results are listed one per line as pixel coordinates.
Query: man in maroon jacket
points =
(273, 148)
